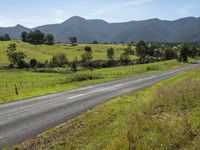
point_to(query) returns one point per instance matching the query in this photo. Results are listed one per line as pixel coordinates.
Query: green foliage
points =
(51, 80)
(49, 38)
(33, 63)
(95, 42)
(141, 49)
(24, 36)
(88, 49)
(86, 60)
(129, 50)
(73, 40)
(170, 54)
(83, 77)
(45, 52)
(16, 57)
(5, 37)
(59, 60)
(37, 37)
(153, 68)
(125, 59)
(74, 65)
(110, 55)
(184, 53)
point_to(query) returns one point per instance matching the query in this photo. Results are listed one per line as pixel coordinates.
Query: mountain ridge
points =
(87, 30)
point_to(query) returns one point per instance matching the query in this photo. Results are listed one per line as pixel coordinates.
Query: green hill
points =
(45, 52)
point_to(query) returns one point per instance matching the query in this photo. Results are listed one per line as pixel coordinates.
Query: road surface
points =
(25, 119)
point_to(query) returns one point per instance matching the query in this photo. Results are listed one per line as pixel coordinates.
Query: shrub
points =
(83, 77)
(33, 63)
(88, 49)
(59, 60)
(152, 68)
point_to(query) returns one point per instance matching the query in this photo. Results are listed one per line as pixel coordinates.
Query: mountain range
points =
(86, 31)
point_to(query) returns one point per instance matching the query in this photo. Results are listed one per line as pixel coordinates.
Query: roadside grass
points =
(30, 84)
(45, 52)
(164, 116)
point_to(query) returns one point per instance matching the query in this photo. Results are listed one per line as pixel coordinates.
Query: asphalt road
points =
(25, 119)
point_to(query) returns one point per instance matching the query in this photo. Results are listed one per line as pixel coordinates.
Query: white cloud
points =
(116, 6)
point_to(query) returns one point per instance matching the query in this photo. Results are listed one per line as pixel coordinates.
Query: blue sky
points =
(32, 13)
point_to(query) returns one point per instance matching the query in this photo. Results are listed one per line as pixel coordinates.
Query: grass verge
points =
(164, 116)
(30, 84)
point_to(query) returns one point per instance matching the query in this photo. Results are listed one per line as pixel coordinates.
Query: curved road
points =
(25, 119)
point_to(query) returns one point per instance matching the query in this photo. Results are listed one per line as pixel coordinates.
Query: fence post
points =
(16, 90)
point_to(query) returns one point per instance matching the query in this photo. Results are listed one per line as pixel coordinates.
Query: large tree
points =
(59, 60)
(73, 40)
(24, 36)
(86, 60)
(184, 53)
(49, 39)
(110, 55)
(15, 57)
(141, 50)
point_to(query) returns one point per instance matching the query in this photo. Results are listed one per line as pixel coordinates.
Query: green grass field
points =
(45, 52)
(30, 84)
(164, 116)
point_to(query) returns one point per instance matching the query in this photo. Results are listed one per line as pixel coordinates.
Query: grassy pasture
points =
(164, 116)
(45, 52)
(31, 84)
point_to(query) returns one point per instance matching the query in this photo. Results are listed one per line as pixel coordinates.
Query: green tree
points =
(73, 40)
(6, 37)
(74, 65)
(33, 63)
(95, 42)
(141, 49)
(125, 59)
(24, 36)
(59, 60)
(36, 37)
(86, 60)
(184, 53)
(88, 49)
(193, 51)
(170, 54)
(110, 55)
(14, 56)
(129, 50)
(49, 39)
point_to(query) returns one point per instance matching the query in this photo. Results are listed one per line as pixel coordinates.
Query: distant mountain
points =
(155, 30)
(14, 32)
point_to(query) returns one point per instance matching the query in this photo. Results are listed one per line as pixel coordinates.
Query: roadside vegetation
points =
(163, 116)
(36, 65)
(31, 84)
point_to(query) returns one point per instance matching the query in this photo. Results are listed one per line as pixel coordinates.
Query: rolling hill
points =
(155, 30)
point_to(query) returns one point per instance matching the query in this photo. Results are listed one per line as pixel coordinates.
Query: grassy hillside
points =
(45, 52)
(31, 84)
(164, 116)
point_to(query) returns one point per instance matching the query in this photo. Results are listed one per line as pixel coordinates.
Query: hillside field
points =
(45, 52)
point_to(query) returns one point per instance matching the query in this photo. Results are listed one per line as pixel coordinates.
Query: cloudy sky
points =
(33, 13)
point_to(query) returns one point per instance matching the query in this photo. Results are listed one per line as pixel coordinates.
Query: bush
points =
(83, 77)
(33, 63)
(59, 60)
(152, 68)
(88, 49)
(22, 64)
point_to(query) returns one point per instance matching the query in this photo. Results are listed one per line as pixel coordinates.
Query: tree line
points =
(37, 37)
(5, 37)
(146, 52)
